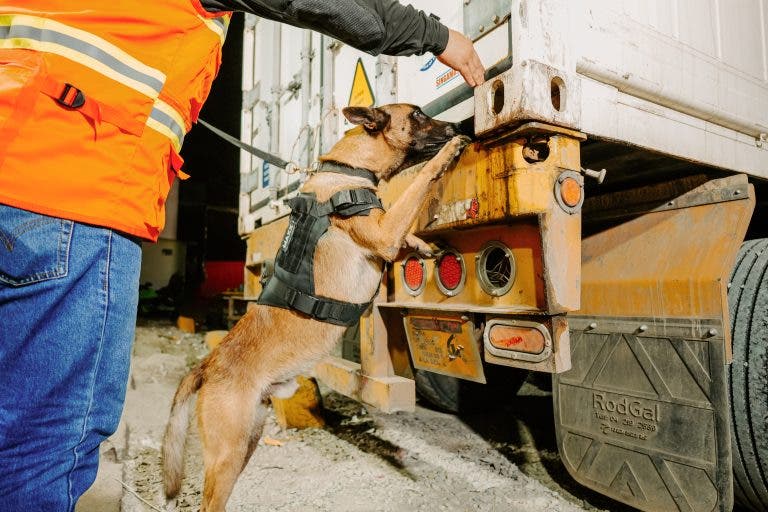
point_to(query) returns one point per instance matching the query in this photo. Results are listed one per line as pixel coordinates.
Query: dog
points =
(270, 345)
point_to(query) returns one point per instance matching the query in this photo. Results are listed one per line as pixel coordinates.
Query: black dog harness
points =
(292, 286)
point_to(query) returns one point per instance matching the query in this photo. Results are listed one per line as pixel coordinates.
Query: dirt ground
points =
(362, 460)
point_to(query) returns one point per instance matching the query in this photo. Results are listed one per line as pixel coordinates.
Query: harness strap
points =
(292, 284)
(349, 202)
(329, 166)
(320, 308)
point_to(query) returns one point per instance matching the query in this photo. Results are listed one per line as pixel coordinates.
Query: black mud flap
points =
(642, 416)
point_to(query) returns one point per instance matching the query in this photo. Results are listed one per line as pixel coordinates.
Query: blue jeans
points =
(68, 298)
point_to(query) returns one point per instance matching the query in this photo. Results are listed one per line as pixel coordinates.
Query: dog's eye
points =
(419, 115)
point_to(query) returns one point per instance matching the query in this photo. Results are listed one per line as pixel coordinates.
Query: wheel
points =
(455, 395)
(748, 375)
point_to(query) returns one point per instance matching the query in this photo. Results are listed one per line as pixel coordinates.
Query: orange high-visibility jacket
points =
(95, 99)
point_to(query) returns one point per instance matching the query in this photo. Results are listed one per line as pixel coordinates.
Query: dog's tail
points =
(176, 432)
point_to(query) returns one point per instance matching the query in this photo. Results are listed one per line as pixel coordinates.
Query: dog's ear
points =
(372, 119)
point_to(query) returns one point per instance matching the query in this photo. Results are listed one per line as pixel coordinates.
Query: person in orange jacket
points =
(94, 106)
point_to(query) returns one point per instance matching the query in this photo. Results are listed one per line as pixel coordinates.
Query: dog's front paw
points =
(449, 153)
(455, 146)
(419, 245)
(461, 142)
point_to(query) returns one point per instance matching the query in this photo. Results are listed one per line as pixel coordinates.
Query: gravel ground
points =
(362, 460)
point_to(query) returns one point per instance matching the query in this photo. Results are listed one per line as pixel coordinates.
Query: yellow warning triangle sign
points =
(361, 94)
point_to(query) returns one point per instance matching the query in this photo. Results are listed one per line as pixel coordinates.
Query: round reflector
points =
(450, 273)
(413, 275)
(570, 192)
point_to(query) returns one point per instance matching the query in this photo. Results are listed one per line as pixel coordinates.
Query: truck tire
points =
(454, 395)
(748, 375)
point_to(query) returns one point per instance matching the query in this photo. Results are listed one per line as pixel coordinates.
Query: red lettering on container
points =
(445, 78)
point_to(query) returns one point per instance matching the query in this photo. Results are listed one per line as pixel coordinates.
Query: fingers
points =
(460, 55)
(468, 77)
(477, 70)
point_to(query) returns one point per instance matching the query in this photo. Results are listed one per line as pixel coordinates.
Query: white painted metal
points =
(526, 92)
(684, 77)
(281, 113)
(272, 65)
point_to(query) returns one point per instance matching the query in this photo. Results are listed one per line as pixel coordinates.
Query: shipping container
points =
(686, 78)
(643, 292)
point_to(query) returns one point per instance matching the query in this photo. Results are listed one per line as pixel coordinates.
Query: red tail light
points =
(413, 275)
(450, 273)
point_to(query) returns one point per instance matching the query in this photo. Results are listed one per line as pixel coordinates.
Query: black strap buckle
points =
(290, 294)
(341, 199)
(71, 97)
(301, 301)
(322, 310)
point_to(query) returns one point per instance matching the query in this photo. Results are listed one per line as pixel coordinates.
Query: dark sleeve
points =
(373, 26)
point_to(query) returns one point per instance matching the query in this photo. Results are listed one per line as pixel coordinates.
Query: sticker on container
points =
(428, 64)
(264, 174)
(445, 77)
(361, 94)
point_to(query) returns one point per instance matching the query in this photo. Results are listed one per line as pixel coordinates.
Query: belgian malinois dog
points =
(270, 346)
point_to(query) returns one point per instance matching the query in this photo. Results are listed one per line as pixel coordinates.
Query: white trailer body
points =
(688, 78)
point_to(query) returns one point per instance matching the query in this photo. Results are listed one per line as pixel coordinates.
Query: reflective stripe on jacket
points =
(95, 103)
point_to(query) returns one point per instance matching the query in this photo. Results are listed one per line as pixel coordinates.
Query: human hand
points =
(460, 55)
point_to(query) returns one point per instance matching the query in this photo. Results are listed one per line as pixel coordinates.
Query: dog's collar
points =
(328, 166)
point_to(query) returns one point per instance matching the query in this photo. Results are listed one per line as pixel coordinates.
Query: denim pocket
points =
(33, 247)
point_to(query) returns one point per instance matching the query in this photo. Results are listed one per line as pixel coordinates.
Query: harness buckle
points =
(290, 295)
(71, 97)
(321, 311)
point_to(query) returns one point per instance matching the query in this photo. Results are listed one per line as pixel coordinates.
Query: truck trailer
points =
(607, 227)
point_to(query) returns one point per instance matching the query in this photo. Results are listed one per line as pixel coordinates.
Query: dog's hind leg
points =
(228, 420)
(259, 417)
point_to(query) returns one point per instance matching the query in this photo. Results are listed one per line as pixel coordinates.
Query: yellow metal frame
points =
(498, 194)
(516, 203)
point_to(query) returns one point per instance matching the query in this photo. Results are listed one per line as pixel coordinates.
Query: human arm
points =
(460, 55)
(373, 26)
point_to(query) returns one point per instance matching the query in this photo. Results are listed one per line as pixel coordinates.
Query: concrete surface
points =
(361, 460)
